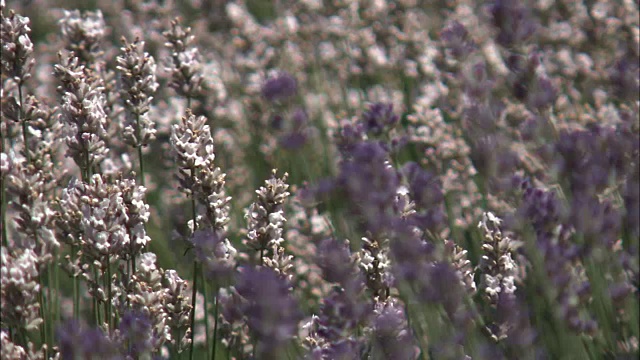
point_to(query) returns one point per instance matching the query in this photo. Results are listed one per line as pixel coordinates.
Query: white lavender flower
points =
(458, 257)
(376, 265)
(138, 74)
(83, 33)
(193, 149)
(20, 288)
(17, 48)
(28, 189)
(186, 68)
(265, 223)
(83, 112)
(191, 142)
(9, 350)
(498, 269)
(95, 217)
(177, 307)
(137, 215)
(147, 296)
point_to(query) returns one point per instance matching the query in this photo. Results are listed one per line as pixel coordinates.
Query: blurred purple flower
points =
(76, 341)
(349, 349)
(391, 334)
(371, 184)
(492, 156)
(277, 122)
(426, 191)
(625, 78)
(271, 311)
(513, 317)
(457, 40)
(544, 93)
(541, 208)
(216, 254)
(280, 87)
(136, 331)
(477, 80)
(335, 260)
(348, 136)
(292, 141)
(514, 22)
(340, 315)
(379, 117)
(631, 196)
(590, 159)
(597, 220)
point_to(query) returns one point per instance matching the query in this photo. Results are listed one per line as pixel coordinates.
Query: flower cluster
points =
(455, 179)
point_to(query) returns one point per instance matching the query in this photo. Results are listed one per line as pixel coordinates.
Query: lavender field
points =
(320, 179)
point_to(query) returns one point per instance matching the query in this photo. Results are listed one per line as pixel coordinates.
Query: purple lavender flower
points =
(215, 252)
(457, 40)
(293, 141)
(513, 21)
(371, 184)
(596, 220)
(492, 157)
(280, 87)
(340, 315)
(136, 332)
(426, 191)
(271, 311)
(349, 349)
(513, 317)
(298, 134)
(391, 335)
(76, 341)
(379, 117)
(590, 159)
(625, 78)
(477, 81)
(631, 196)
(336, 262)
(544, 93)
(541, 208)
(348, 136)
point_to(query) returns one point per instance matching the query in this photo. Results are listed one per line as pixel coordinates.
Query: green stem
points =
(87, 168)
(110, 295)
(50, 304)
(76, 291)
(3, 206)
(56, 276)
(206, 309)
(3, 202)
(43, 309)
(96, 304)
(25, 129)
(139, 149)
(193, 307)
(215, 326)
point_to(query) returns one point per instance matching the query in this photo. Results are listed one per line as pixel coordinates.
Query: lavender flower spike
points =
(271, 311)
(280, 87)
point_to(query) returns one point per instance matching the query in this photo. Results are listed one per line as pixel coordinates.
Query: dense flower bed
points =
(338, 179)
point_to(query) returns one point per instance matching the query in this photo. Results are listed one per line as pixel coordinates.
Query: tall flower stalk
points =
(204, 183)
(138, 74)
